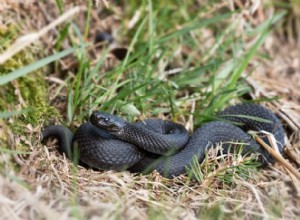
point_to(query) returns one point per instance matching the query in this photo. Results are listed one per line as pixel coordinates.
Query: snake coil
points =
(110, 142)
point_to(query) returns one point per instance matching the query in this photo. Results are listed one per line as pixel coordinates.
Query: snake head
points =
(108, 122)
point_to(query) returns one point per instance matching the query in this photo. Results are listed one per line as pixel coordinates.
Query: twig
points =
(278, 157)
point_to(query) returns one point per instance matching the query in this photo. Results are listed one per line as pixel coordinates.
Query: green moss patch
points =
(27, 94)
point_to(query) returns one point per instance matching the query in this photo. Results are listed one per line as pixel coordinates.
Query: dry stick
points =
(278, 157)
(283, 115)
(26, 40)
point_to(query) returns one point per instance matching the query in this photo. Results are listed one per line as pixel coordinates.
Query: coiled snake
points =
(110, 142)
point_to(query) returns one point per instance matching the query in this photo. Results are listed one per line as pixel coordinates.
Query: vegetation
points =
(184, 61)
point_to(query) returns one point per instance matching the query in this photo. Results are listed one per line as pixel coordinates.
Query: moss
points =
(28, 93)
(4, 140)
(4, 134)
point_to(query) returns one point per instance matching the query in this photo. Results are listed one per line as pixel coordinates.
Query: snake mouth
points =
(107, 122)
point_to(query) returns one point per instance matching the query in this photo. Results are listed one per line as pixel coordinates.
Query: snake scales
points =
(110, 142)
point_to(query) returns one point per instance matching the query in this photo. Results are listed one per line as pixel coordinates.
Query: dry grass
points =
(45, 185)
(49, 187)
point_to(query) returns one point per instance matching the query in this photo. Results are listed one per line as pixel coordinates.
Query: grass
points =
(184, 63)
(34, 66)
(219, 168)
(137, 83)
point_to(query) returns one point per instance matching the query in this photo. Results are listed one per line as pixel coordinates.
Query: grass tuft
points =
(220, 170)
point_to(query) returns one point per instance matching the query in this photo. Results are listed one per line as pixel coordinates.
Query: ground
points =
(171, 60)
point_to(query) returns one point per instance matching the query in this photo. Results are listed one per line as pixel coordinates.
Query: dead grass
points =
(44, 185)
(48, 186)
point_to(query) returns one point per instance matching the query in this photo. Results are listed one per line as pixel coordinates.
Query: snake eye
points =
(105, 119)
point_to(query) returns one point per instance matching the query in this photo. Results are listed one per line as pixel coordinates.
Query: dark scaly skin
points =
(212, 133)
(153, 135)
(64, 136)
(96, 148)
(99, 149)
(202, 139)
(258, 111)
(106, 154)
(205, 137)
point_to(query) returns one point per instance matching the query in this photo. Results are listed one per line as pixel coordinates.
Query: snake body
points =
(110, 142)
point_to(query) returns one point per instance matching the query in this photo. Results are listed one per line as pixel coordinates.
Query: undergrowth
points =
(183, 63)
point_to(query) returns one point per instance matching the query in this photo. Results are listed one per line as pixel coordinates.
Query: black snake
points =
(110, 142)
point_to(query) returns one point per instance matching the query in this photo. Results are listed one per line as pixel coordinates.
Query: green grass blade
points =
(59, 4)
(10, 114)
(13, 152)
(193, 26)
(88, 18)
(34, 66)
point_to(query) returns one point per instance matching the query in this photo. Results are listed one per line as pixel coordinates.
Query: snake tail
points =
(64, 136)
